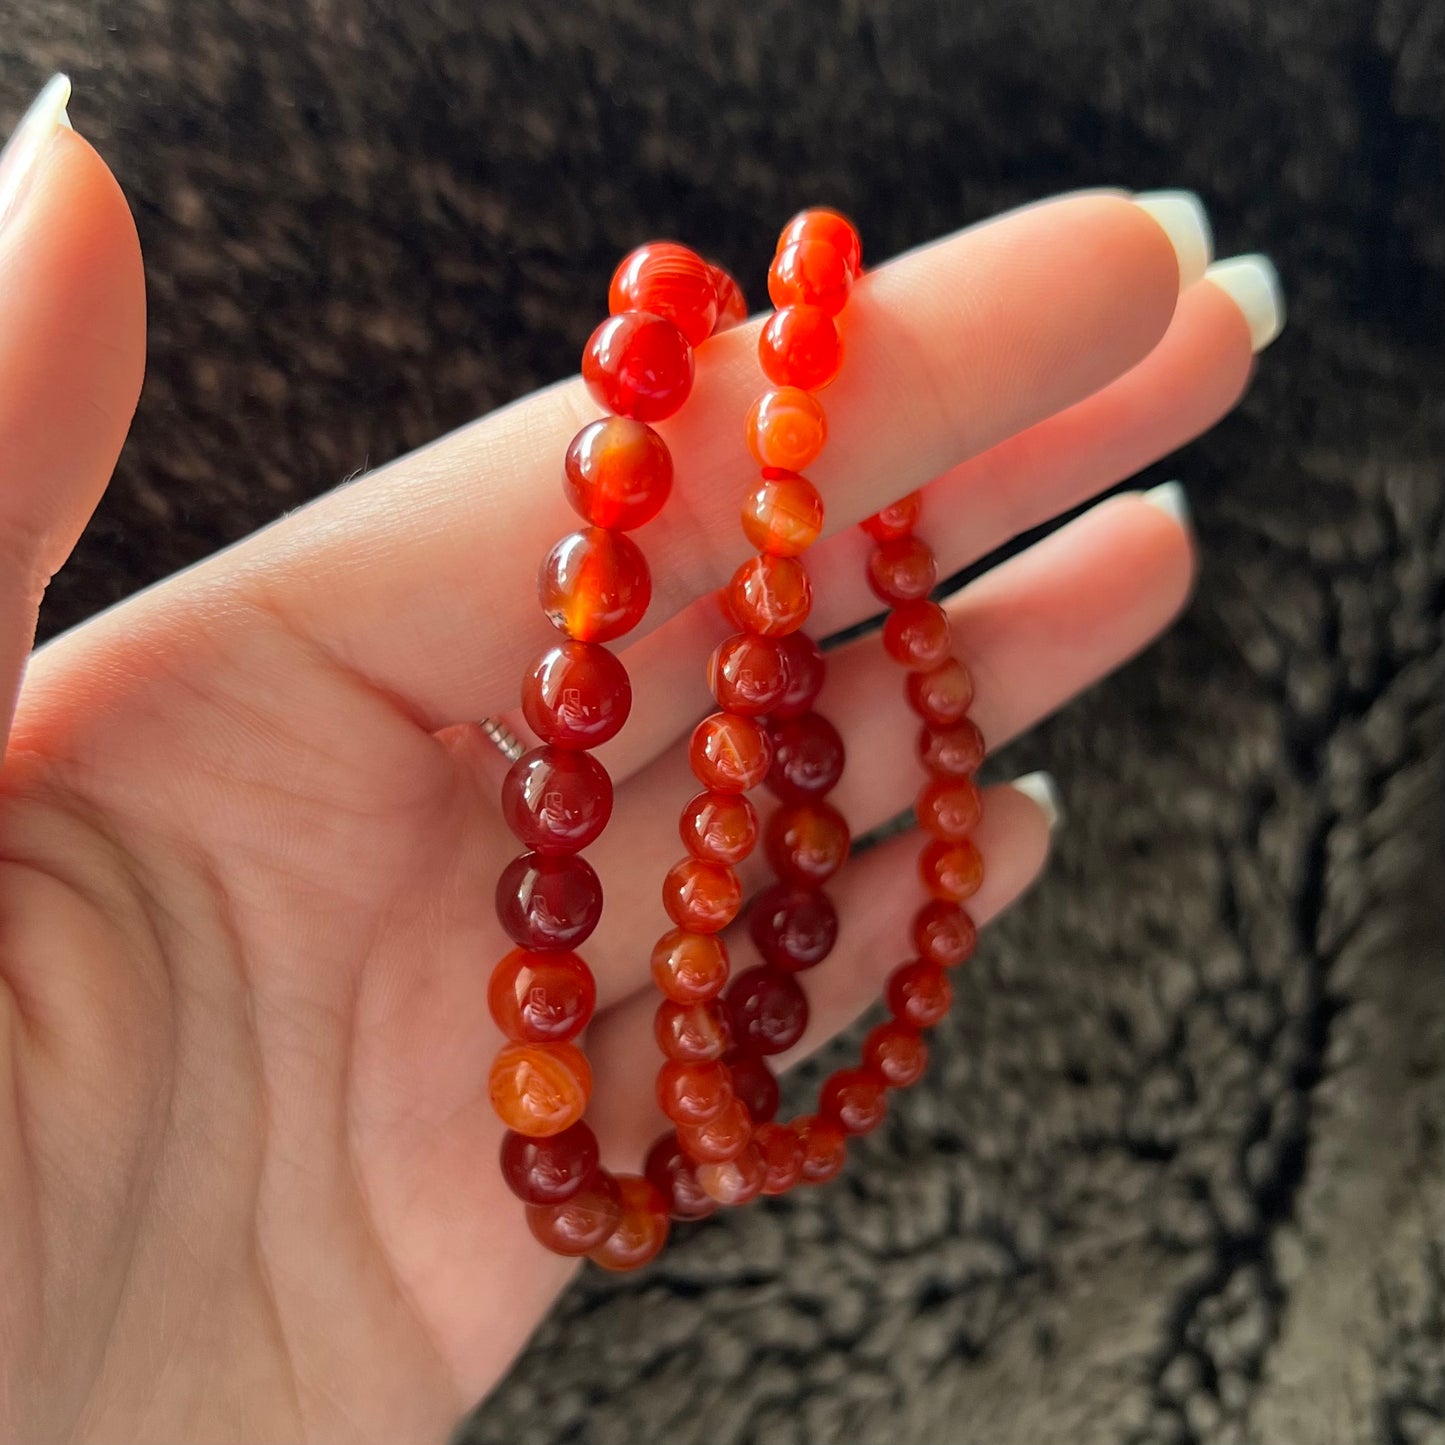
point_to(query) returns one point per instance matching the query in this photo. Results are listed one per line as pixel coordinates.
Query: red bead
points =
(951, 870)
(746, 674)
(825, 1149)
(548, 903)
(638, 366)
(576, 695)
(956, 750)
(902, 570)
(674, 1176)
(540, 1089)
(581, 1222)
(916, 634)
(689, 967)
(732, 304)
(805, 670)
(942, 696)
(735, 1181)
(854, 1100)
(594, 585)
(770, 596)
(807, 843)
(729, 754)
(783, 514)
(769, 1011)
(693, 1031)
(918, 993)
(547, 1171)
(721, 1138)
(949, 807)
(755, 1084)
(800, 347)
(896, 1053)
(786, 429)
(541, 998)
(702, 897)
(782, 1154)
(719, 827)
(641, 1229)
(808, 758)
(897, 519)
(667, 280)
(557, 800)
(944, 934)
(693, 1093)
(818, 223)
(810, 273)
(618, 473)
(793, 928)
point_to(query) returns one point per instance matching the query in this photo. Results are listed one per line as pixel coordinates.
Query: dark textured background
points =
(1176, 1175)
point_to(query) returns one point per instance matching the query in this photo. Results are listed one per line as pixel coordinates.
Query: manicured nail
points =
(1252, 283)
(1041, 788)
(1169, 497)
(27, 144)
(1182, 215)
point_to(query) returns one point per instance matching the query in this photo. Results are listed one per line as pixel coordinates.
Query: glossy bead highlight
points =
(771, 596)
(541, 998)
(639, 366)
(800, 347)
(942, 695)
(667, 280)
(548, 1171)
(540, 1089)
(689, 967)
(807, 842)
(786, 429)
(641, 1228)
(769, 1010)
(557, 800)
(548, 903)
(793, 928)
(719, 827)
(618, 473)
(594, 585)
(580, 1223)
(729, 754)
(808, 758)
(576, 695)
(746, 674)
(783, 515)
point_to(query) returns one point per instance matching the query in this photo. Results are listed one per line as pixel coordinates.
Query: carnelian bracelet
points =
(715, 1084)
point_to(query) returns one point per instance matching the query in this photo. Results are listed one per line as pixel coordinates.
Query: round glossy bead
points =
(674, 1176)
(808, 758)
(540, 1089)
(819, 223)
(896, 1053)
(949, 808)
(793, 928)
(735, 1181)
(618, 473)
(641, 1228)
(825, 1149)
(897, 519)
(582, 1222)
(721, 1138)
(916, 634)
(786, 429)
(746, 674)
(918, 993)
(810, 273)
(944, 934)
(639, 366)
(702, 897)
(547, 1171)
(771, 596)
(807, 843)
(955, 750)
(782, 1153)
(719, 827)
(694, 1031)
(902, 570)
(541, 998)
(783, 514)
(693, 1093)
(667, 280)
(557, 800)
(942, 695)
(576, 695)
(548, 903)
(689, 967)
(805, 670)
(755, 1084)
(950, 870)
(854, 1100)
(769, 1011)
(732, 305)
(800, 346)
(729, 754)
(594, 585)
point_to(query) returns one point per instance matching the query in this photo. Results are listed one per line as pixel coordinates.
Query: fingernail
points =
(1182, 215)
(27, 144)
(1041, 788)
(1252, 283)
(1170, 497)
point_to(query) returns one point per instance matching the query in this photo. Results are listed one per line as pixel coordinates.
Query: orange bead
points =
(735, 1181)
(944, 934)
(896, 1053)
(618, 473)
(902, 570)
(689, 967)
(730, 754)
(541, 997)
(731, 303)
(819, 223)
(808, 842)
(582, 1222)
(781, 1149)
(719, 827)
(783, 515)
(810, 272)
(916, 634)
(825, 1149)
(897, 519)
(956, 749)
(641, 1229)
(721, 1138)
(702, 897)
(771, 596)
(949, 807)
(693, 1092)
(918, 993)
(951, 870)
(854, 1100)
(747, 674)
(693, 1031)
(786, 429)
(667, 280)
(800, 346)
(942, 695)
(595, 585)
(540, 1089)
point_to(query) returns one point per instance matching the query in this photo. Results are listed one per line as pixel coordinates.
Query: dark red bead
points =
(557, 800)
(918, 993)
(942, 695)
(641, 1229)
(897, 519)
(793, 928)
(902, 570)
(618, 473)
(808, 758)
(719, 827)
(548, 903)
(917, 634)
(769, 1011)
(854, 1100)
(807, 843)
(639, 366)
(547, 1171)
(582, 1222)
(576, 695)
(674, 1176)
(956, 750)
(755, 1084)
(944, 934)
(541, 998)
(805, 670)
(594, 585)
(693, 1031)
(746, 674)
(671, 281)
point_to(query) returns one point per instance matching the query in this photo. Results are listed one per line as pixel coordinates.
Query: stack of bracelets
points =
(715, 1084)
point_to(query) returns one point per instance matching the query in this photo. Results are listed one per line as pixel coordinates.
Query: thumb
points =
(72, 352)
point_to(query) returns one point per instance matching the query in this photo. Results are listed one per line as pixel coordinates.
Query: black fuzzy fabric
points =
(1176, 1173)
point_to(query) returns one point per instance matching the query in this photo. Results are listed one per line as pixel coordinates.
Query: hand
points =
(250, 838)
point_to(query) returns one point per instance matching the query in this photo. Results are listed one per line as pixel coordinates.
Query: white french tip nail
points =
(1170, 497)
(1041, 788)
(1186, 223)
(1252, 283)
(27, 143)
